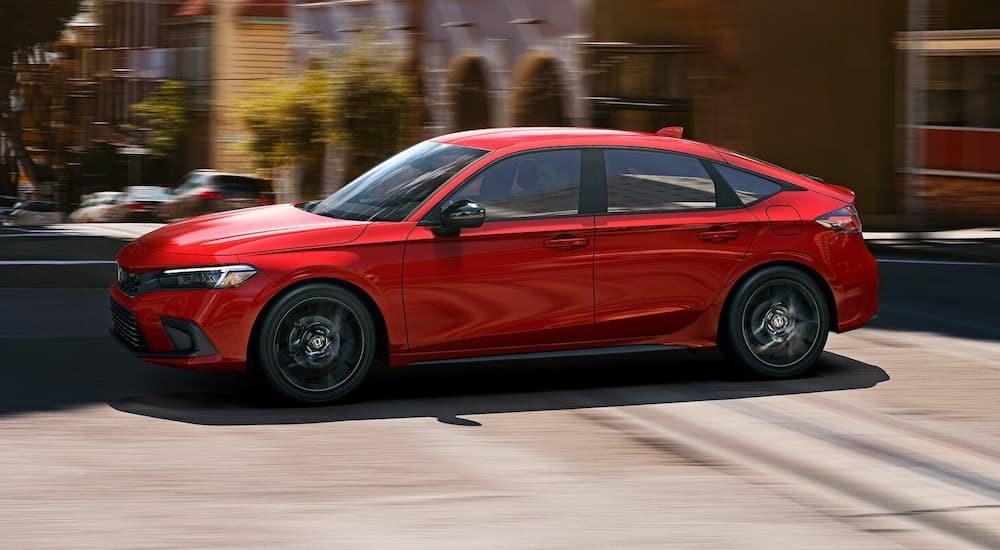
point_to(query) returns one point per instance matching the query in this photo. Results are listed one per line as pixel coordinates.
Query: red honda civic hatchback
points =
(501, 244)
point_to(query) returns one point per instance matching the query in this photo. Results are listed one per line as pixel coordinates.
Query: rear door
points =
(669, 240)
(524, 278)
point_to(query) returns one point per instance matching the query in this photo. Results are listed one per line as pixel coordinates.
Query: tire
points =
(315, 344)
(776, 324)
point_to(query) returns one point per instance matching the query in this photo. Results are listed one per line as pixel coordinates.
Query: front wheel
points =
(315, 344)
(776, 324)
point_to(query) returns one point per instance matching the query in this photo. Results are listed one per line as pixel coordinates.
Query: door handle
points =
(718, 235)
(565, 242)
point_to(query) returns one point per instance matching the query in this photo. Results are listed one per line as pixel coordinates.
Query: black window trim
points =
(432, 218)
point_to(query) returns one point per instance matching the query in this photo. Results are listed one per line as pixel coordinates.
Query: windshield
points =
(395, 188)
(194, 179)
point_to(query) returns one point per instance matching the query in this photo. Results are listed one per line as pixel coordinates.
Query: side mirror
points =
(463, 214)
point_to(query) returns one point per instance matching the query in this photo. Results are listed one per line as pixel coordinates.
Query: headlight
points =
(224, 276)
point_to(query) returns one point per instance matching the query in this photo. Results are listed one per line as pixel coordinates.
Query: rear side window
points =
(653, 181)
(38, 206)
(748, 187)
(237, 183)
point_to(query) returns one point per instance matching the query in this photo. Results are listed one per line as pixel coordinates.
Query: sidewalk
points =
(976, 245)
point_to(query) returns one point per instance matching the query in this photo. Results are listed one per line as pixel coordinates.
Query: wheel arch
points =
(381, 328)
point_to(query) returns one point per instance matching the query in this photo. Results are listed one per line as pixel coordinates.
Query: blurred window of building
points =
(963, 91)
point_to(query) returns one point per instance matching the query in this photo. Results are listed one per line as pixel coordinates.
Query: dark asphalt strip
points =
(57, 276)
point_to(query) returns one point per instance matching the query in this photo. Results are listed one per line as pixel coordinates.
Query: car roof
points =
(494, 139)
(209, 172)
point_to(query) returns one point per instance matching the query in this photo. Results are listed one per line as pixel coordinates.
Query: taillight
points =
(842, 220)
(265, 200)
(135, 207)
(209, 195)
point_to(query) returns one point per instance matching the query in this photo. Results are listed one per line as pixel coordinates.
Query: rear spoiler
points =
(671, 132)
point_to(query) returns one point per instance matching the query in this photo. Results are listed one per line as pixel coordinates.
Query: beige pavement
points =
(861, 468)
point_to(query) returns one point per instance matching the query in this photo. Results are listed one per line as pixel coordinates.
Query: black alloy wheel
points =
(776, 323)
(315, 344)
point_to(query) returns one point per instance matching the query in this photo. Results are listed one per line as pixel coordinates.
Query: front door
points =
(525, 278)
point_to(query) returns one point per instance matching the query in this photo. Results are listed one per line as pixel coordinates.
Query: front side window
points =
(748, 187)
(395, 188)
(528, 185)
(653, 181)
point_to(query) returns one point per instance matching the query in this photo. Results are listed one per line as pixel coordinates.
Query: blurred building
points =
(835, 89)
(221, 50)
(952, 128)
(116, 53)
(130, 59)
(897, 99)
(54, 101)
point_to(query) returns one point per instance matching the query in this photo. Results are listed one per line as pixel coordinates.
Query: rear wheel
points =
(316, 344)
(776, 324)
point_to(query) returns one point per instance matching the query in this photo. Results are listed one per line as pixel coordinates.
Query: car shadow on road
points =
(448, 393)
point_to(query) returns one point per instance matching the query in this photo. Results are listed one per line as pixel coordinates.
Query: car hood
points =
(252, 231)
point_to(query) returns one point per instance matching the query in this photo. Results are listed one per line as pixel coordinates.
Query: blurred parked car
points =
(141, 203)
(7, 203)
(34, 213)
(205, 191)
(97, 207)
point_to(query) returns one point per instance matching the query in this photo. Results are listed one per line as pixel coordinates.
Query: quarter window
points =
(748, 187)
(650, 181)
(530, 185)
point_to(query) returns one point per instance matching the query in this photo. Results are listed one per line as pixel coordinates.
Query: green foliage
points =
(358, 103)
(165, 114)
(373, 115)
(288, 118)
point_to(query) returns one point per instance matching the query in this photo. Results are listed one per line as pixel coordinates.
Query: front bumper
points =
(199, 329)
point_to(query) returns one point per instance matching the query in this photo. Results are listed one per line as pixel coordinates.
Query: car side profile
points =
(505, 243)
(208, 191)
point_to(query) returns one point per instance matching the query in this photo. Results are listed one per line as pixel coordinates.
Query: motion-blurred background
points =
(285, 100)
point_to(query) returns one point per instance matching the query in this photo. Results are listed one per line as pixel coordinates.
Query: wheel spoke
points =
(781, 323)
(319, 344)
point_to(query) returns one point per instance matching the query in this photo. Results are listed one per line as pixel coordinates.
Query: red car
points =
(505, 243)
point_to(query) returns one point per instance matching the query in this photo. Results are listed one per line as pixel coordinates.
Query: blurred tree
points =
(287, 120)
(22, 26)
(372, 110)
(360, 104)
(165, 115)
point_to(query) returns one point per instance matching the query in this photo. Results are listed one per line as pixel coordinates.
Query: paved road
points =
(894, 444)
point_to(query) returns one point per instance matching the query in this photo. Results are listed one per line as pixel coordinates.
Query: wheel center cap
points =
(318, 343)
(777, 322)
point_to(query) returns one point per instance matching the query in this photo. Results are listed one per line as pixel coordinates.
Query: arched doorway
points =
(468, 88)
(539, 93)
